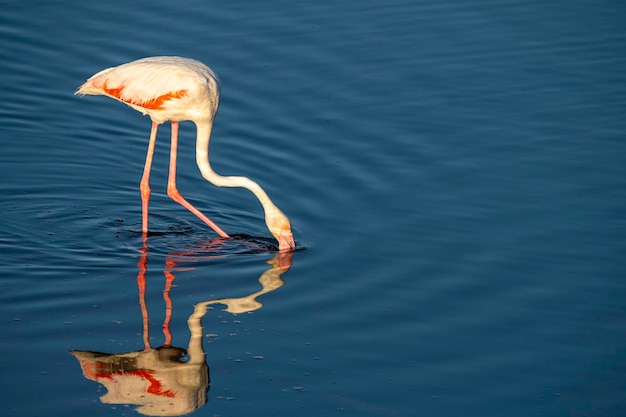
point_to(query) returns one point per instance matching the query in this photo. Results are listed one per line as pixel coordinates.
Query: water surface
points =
(454, 174)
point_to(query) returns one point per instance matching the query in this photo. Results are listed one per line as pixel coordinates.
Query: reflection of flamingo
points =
(178, 89)
(157, 380)
(270, 281)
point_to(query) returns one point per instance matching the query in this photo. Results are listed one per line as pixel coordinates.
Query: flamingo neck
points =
(202, 159)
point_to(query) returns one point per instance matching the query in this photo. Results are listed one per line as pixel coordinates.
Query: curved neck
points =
(202, 159)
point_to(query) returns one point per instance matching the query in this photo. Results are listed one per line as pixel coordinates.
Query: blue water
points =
(455, 174)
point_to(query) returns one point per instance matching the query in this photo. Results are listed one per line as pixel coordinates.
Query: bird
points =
(175, 89)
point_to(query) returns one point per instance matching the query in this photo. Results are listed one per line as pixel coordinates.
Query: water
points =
(454, 174)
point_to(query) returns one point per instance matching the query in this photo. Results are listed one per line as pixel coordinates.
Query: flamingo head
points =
(280, 227)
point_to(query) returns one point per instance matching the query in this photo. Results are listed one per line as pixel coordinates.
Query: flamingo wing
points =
(154, 85)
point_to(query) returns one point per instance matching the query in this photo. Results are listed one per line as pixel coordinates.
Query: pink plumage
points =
(165, 88)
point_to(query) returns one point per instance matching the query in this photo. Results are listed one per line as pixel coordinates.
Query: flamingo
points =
(175, 89)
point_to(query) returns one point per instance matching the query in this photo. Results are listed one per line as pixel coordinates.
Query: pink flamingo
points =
(177, 89)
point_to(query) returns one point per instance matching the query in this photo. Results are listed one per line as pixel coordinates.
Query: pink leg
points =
(173, 192)
(144, 186)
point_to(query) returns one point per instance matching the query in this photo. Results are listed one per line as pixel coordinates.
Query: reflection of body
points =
(157, 379)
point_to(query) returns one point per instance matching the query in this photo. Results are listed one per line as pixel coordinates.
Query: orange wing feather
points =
(155, 103)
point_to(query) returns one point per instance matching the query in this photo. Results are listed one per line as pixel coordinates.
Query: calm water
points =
(456, 179)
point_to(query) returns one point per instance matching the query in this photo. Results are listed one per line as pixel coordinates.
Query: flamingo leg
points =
(173, 192)
(144, 186)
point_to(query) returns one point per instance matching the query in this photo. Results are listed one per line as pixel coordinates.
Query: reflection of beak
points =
(286, 242)
(285, 260)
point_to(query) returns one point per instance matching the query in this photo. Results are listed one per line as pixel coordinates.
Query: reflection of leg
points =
(141, 284)
(173, 192)
(169, 279)
(144, 186)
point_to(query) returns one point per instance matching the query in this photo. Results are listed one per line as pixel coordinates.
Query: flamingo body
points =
(165, 88)
(177, 89)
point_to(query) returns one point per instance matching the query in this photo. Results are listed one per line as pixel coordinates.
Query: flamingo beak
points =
(285, 241)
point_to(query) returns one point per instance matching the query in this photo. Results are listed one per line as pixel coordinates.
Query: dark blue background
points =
(456, 172)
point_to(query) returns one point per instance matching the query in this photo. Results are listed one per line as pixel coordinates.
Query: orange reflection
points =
(159, 381)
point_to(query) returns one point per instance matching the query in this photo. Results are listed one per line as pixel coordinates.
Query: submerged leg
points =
(144, 186)
(173, 192)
